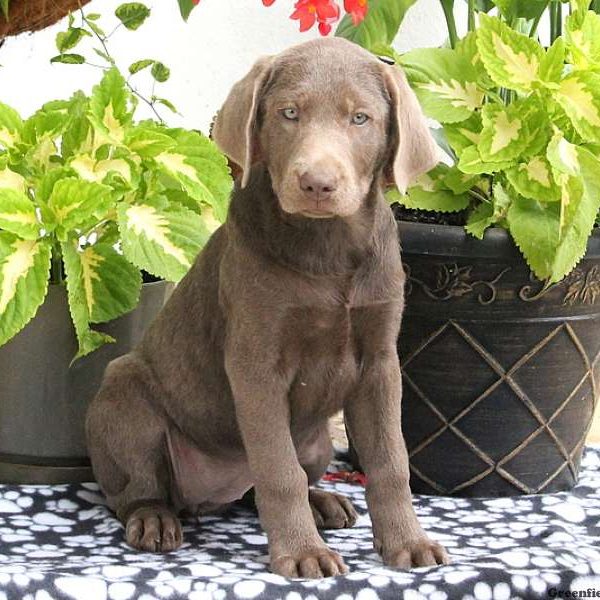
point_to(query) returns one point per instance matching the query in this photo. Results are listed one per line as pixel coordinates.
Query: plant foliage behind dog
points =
(521, 124)
(91, 197)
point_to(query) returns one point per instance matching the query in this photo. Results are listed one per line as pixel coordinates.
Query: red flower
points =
(268, 2)
(357, 10)
(308, 12)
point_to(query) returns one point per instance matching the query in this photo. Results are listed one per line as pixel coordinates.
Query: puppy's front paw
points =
(331, 510)
(153, 528)
(313, 563)
(422, 552)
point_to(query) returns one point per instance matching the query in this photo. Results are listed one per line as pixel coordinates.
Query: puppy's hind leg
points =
(127, 446)
(330, 509)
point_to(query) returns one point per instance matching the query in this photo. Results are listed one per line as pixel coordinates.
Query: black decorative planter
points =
(501, 376)
(43, 401)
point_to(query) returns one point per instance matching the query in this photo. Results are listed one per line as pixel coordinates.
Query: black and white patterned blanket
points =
(62, 542)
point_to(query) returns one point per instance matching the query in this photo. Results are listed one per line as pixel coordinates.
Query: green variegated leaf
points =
(535, 229)
(165, 102)
(160, 72)
(579, 96)
(553, 237)
(504, 135)
(88, 339)
(78, 135)
(471, 162)
(132, 14)
(96, 28)
(164, 242)
(68, 59)
(73, 202)
(41, 157)
(428, 193)
(465, 134)
(178, 197)
(511, 59)
(110, 112)
(459, 182)
(487, 214)
(563, 156)
(564, 159)
(105, 57)
(148, 140)
(11, 180)
(511, 131)
(437, 200)
(553, 62)
(45, 186)
(24, 270)
(48, 122)
(467, 49)
(97, 170)
(66, 40)
(210, 220)
(199, 167)
(140, 65)
(534, 179)
(10, 126)
(111, 284)
(481, 217)
(582, 33)
(579, 217)
(579, 5)
(445, 83)
(17, 214)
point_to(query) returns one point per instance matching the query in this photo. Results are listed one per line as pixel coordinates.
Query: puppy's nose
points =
(318, 185)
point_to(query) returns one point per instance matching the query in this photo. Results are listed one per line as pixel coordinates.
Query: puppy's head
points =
(326, 118)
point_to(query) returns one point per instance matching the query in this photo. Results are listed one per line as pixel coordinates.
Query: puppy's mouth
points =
(317, 214)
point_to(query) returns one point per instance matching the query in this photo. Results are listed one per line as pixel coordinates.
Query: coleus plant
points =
(89, 198)
(521, 126)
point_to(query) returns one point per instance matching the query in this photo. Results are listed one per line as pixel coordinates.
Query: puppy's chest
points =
(325, 357)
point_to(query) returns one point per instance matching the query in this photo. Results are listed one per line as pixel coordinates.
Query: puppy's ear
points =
(413, 150)
(234, 129)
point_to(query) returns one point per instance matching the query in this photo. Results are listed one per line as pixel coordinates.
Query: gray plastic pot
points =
(43, 399)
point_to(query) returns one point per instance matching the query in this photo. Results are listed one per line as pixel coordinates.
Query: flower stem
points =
(56, 269)
(448, 8)
(103, 40)
(535, 25)
(471, 15)
(555, 20)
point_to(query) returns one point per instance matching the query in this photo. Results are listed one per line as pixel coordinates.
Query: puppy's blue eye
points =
(291, 114)
(359, 119)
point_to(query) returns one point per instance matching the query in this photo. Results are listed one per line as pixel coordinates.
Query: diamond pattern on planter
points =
(482, 487)
(430, 366)
(587, 334)
(547, 364)
(578, 410)
(460, 464)
(423, 423)
(507, 349)
(501, 405)
(527, 464)
(474, 436)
